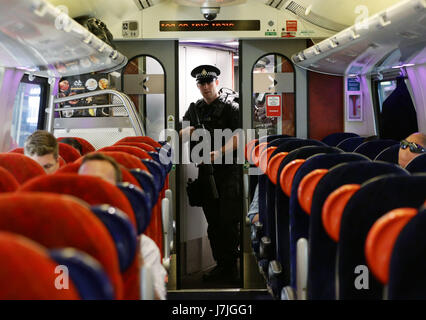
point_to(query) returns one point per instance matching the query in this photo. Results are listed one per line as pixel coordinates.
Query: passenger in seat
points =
(73, 143)
(106, 168)
(102, 166)
(411, 147)
(42, 147)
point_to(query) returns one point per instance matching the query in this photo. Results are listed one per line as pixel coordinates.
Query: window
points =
(26, 110)
(273, 95)
(384, 89)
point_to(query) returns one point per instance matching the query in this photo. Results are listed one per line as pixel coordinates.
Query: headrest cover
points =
(334, 206)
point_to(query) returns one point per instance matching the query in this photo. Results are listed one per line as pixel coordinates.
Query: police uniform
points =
(222, 214)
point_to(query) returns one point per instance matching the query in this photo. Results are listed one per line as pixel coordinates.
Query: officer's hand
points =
(214, 155)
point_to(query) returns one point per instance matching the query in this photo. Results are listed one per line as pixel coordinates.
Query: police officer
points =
(222, 213)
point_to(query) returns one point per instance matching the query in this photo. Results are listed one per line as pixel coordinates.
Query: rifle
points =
(206, 170)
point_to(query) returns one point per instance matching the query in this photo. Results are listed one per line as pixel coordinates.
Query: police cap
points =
(205, 73)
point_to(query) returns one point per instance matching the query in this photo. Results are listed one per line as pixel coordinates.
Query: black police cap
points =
(205, 73)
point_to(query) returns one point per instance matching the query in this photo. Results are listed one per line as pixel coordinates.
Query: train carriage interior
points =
(329, 150)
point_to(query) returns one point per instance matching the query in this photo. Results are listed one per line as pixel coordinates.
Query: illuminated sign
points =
(203, 25)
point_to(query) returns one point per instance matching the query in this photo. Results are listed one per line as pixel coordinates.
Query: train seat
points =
(87, 274)
(381, 240)
(418, 164)
(121, 230)
(86, 146)
(8, 183)
(407, 279)
(21, 167)
(158, 172)
(350, 144)
(334, 139)
(141, 145)
(17, 150)
(372, 148)
(299, 219)
(59, 221)
(382, 194)
(322, 249)
(94, 191)
(21, 280)
(68, 153)
(141, 154)
(390, 154)
(278, 212)
(143, 139)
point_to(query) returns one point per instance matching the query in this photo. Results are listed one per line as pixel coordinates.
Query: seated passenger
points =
(106, 168)
(73, 143)
(42, 147)
(253, 213)
(102, 166)
(411, 147)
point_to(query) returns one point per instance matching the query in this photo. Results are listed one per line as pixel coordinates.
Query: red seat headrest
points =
(144, 139)
(8, 183)
(141, 154)
(20, 166)
(93, 190)
(27, 272)
(57, 221)
(17, 150)
(140, 145)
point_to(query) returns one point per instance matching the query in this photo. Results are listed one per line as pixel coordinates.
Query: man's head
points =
(206, 76)
(411, 147)
(42, 147)
(102, 166)
(73, 143)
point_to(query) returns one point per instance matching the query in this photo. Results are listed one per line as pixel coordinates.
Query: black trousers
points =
(223, 216)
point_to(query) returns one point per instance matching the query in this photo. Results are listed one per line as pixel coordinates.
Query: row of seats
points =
(84, 223)
(317, 205)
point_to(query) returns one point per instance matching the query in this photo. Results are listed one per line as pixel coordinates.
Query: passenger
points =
(411, 147)
(253, 212)
(42, 147)
(106, 168)
(222, 213)
(73, 143)
(102, 166)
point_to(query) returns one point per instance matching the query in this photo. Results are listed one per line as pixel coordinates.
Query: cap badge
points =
(204, 72)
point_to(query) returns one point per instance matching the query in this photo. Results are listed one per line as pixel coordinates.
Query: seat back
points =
(141, 145)
(382, 194)
(86, 146)
(21, 167)
(407, 279)
(143, 139)
(390, 154)
(27, 271)
(58, 221)
(350, 144)
(322, 249)
(334, 139)
(299, 220)
(8, 183)
(418, 164)
(141, 154)
(93, 190)
(372, 148)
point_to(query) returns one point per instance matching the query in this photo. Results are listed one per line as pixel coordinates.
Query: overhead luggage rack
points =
(42, 40)
(392, 38)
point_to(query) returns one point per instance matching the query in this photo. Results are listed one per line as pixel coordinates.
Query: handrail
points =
(126, 102)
